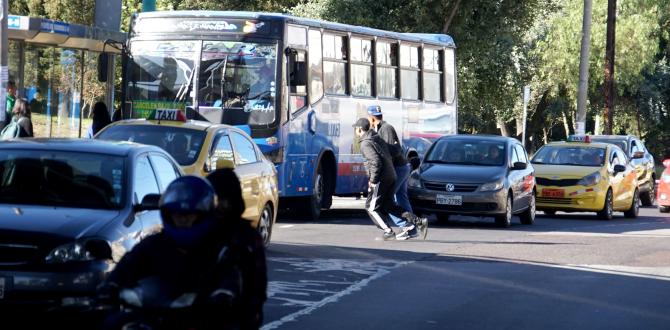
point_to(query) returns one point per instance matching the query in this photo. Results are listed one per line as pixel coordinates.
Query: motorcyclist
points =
(244, 241)
(188, 256)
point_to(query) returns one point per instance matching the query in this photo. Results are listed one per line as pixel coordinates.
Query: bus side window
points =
(297, 79)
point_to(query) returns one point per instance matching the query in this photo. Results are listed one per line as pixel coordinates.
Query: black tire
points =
(664, 209)
(634, 208)
(442, 218)
(312, 211)
(648, 198)
(265, 224)
(607, 212)
(549, 213)
(505, 220)
(528, 216)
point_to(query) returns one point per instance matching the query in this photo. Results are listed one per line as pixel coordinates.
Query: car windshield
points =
(63, 179)
(467, 152)
(619, 143)
(574, 156)
(184, 144)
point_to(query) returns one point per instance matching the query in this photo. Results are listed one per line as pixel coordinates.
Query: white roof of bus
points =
(438, 39)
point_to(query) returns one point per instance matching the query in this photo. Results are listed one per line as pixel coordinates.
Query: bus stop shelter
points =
(54, 65)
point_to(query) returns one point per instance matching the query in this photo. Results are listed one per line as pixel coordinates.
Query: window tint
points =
(450, 74)
(521, 153)
(244, 149)
(432, 76)
(409, 73)
(387, 61)
(335, 64)
(223, 148)
(315, 66)
(144, 181)
(165, 172)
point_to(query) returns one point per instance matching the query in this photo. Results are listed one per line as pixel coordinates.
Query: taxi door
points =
(617, 180)
(248, 167)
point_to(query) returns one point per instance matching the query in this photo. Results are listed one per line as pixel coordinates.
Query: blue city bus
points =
(296, 86)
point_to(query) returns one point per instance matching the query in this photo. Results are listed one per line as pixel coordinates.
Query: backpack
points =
(11, 131)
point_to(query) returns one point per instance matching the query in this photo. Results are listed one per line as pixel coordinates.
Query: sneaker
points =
(388, 235)
(404, 235)
(423, 227)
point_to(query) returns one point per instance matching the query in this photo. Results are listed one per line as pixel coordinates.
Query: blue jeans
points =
(400, 189)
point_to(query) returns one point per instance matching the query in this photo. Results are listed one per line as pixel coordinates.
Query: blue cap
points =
(374, 110)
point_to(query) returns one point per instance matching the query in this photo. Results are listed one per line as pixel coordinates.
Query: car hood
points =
(54, 221)
(460, 173)
(563, 171)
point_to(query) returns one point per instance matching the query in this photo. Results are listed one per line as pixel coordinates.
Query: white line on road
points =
(380, 272)
(286, 226)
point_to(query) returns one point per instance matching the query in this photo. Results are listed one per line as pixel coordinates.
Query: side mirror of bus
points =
(103, 62)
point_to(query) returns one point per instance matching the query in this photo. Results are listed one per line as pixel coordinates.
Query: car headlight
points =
(80, 251)
(414, 180)
(590, 180)
(665, 178)
(492, 186)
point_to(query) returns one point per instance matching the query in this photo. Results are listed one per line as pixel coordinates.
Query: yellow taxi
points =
(200, 147)
(581, 176)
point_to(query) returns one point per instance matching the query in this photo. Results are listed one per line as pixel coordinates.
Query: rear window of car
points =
(183, 144)
(63, 179)
(619, 143)
(572, 156)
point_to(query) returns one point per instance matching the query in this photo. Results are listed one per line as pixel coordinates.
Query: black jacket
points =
(388, 134)
(201, 269)
(377, 158)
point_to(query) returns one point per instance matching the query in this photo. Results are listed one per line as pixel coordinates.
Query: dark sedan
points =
(475, 175)
(69, 209)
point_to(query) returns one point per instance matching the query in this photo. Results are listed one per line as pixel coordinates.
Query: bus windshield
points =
(163, 74)
(247, 89)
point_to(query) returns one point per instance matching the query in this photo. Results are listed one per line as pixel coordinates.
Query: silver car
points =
(481, 175)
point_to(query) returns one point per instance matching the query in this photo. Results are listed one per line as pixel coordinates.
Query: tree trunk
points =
(445, 27)
(503, 128)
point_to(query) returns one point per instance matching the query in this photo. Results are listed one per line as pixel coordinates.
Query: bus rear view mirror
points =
(103, 61)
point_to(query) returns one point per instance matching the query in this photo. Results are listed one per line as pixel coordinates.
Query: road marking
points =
(304, 288)
(658, 233)
(286, 226)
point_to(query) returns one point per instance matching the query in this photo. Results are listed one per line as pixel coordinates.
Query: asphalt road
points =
(570, 271)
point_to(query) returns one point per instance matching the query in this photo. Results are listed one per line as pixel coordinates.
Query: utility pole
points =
(584, 68)
(526, 98)
(609, 67)
(4, 68)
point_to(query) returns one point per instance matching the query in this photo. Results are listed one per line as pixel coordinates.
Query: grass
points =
(66, 128)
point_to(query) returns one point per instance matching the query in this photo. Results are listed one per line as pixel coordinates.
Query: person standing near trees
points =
(100, 119)
(11, 100)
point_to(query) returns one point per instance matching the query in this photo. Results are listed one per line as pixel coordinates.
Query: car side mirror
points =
(224, 163)
(638, 154)
(414, 162)
(149, 202)
(619, 168)
(519, 166)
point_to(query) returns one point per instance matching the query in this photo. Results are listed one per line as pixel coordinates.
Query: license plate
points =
(449, 199)
(555, 193)
(2, 287)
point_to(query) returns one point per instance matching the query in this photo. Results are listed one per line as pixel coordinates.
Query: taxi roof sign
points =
(579, 138)
(167, 115)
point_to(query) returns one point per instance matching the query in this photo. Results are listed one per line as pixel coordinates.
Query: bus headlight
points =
(414, 180)
(590, 180)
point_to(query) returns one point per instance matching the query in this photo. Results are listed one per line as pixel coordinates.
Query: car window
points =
(572, 155)
(634, 147)
(615, 159)
(467, 152)
(623, 160)
(165, 171)
(245, 152)
(515, 157)
(223, 148)
(521, 153)
(144, 180)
